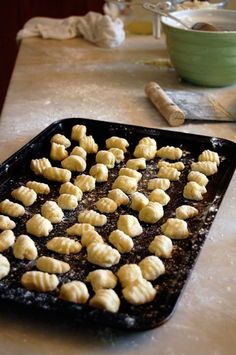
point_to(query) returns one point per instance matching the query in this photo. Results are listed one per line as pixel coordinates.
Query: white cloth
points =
(94, 27)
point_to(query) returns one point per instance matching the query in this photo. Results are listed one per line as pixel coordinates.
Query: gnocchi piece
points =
(4, 267)
(138, 201)
(119, 197)
(125, 183)
(74, 291)
(152, 267)
(51, 211)
(209, 155)
(158, 183)
(99, 172)
(63, 245)
(107, 158)
(177, 165)
(67, 202)
(39, 165)
(118, 153)
(145, 151)
(139, 292)
(161, 246)
(92, 217)
(101, 278)
(194, 191)
(39, 226)
(171, 174)
(185, 212)
(198, 177)
(78, 131)
(69, 188)
(151, 213)
(106, 299)
(158, 195)
(25, 195)
(57, 174)
(11, 209)
(85, 182)
(207, 168)
(79, 151)
(102, 254)
(24, 248)
(117, 142)
(169, 152)
(129, 225)
(130, 173)
(121, 241)
(128, 273)
(74, 163)
(6, 223)
(58, 152)
(136, 164)
(79, 228)
(38, 187)
(51, 265)
(106, 205)
(148, 141)
(175, 228)
(61, 139)
(88, 144)
(90, 237)
(7, 239)
(39, 281)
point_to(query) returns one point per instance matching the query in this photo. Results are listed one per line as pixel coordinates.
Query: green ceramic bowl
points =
(202, 57)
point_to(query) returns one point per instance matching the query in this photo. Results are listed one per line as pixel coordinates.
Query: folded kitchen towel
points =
(99, 29)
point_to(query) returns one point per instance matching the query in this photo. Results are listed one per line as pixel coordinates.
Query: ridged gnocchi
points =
(151, 213)
(51, 211)
(129, 225)
(101, 278)
(158, 183)
(118, 153)
(85, 182)
(175, 228)
(6, 223)
(194, 191)
(177, 165)
(4, 266)
(11, 209)
(57, 174)
(102, 255)
(117, 142)
(169, 152)
(78, 229)
(161, 246)
(119, 197)
(58, 152)
(74, 163)
(99, 172)
(121, 241)
(74, 291)
(145, 151)
(130, 173)
(136, 164)
(92, 217)
(198, 177)
(63, 245)
(106, 299)
(139, 292)
(39, 226)
(24, 248)
(78, 131)
(152, 267)
(38, 187)
(88, 144)
(69, 188)
(158, 195)
(106, 157)
(148, 141)
(106, 205)
(51, 265)
(171, 174)
(79, 151)
(39, 165)
(91, 237)
(61, 139)
(39, 281)
(209, 155)
(128, 273)
(127, 184)
(7, 239)
(185, 212)
(138, 201)
(208, 168)
(67, 202)
(25, 195)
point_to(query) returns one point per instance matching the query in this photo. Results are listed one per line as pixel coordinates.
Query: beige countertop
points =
(61, 79)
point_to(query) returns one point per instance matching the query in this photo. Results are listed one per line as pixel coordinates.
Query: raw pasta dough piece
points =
(52, 212)
(151, 213)
(101, 278)
(39, 165)
(91, 237)
(74, 163)
(145, 151)
(92, 217)
(106, 205)
(198, 177)
(129, 225)
(57, 174)
(152, 267)
(139, 292)
(85, 182)
(194, 191)
(4, 266)
(186, 211)
(88, 144)
(67, 202)
(63, 245)
(38, 187)
(128, 273)
(118, 196)
(161, 246)
(79, 228)
(158, 183)
(99, 172)
(205, 167)
(79, 151)
(138, 201)
(7, 239)
(74, 291)
(158, 195)
(118, 153)
(117, 142)
(78, 131)
(125, 183)
(136, 164)
(209, 155)
(25, 195)
(178, 165)
(121, 241)
(51, 265)
(102, 254)
(69, 188)
(11, 209)
(58, 151)
(130, 173)
(39, 281)
(106, 299)
(169, 152)
(61, 139)
(107, 158)
(148, 141)
(171, 174)
(39, 226)
(6, 223)
(175, 228)
(24, 248)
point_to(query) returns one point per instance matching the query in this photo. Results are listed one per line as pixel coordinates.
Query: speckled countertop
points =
(54, 80)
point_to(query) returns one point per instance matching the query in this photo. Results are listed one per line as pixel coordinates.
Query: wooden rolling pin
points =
(167, 108)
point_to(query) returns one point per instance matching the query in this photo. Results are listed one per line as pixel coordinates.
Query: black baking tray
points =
(15, 171)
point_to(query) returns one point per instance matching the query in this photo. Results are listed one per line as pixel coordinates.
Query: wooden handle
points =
(168, 109)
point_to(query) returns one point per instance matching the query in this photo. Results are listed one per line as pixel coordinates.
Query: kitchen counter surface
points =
(62, 79)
